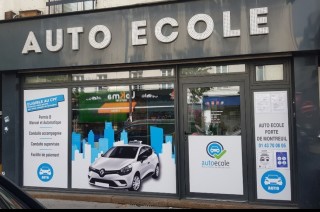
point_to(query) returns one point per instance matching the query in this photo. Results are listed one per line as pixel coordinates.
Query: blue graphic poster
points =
(272, 141)
(46, 136)
(44, 103)
(88, 160)
(282, 159)
(45, 172)
(273, 182)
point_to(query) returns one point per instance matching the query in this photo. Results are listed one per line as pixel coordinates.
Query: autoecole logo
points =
(216, 151)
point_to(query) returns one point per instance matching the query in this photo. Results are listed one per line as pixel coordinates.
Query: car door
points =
(151, 163)
(144, 164)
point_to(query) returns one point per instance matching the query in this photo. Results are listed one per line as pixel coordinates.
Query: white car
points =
(124, 167)
(45, 171)
(215, 150)
(273, 180)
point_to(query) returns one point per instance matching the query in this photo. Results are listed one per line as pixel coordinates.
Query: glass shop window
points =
(123, 114)
(46, 79)
(64, 6)
(154, 73)
(101, 76)
(213, 70)
(269, 73)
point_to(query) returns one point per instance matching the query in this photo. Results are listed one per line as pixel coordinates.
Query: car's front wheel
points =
(136, 183)
(156, 173)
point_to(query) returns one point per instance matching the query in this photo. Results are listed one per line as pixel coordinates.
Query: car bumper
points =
(114, 181)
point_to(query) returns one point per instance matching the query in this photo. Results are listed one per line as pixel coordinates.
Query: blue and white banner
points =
(46, 138)
(272, 145)
(215, 165)
(44, 103)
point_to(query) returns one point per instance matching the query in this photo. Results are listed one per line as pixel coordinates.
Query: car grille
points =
(105, 172)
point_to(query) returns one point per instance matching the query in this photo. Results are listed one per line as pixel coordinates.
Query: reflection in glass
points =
(59, 6)
(92, 107)
(70, 7)
(129, 109)
(79, 6)
(214, 111)
(101, 76)
(212, 70)
(269, 73)
(46, 79)
(124, 75)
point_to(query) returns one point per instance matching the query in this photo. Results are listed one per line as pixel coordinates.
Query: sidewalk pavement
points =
(70, 204)
(117, 201)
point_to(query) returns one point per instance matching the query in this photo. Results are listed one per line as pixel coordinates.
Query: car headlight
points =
(126, 170)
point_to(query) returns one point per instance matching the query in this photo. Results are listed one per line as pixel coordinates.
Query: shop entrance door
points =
(215, 140)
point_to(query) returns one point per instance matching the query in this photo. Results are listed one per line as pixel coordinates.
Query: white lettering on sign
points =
(200, 18)
(256, 21)
(31, 44)
(100, 36)
(158, 31)
(137, 32)
(93, 35)
(59, 40)
(227, 31)
(75, 33)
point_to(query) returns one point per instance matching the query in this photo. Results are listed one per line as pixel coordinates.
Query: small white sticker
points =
(6, 119)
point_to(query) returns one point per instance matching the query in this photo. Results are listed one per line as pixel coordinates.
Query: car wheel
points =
(156, 174)
(136, 183)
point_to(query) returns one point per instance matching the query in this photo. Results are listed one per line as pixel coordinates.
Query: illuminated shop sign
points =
(100, 36)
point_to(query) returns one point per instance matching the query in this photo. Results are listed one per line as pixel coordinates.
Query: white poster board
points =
(215, 165)
(46, 138)
(272, 145)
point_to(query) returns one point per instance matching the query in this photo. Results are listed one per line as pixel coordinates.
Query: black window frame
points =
(52, 4)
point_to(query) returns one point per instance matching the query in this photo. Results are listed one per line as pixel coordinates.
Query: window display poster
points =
(272, 145)
(215, 165)
(46, 138)
(118, 148)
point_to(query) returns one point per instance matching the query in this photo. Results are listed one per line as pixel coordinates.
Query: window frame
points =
(286, 72)
(263, 71)
(58, 6)
(217, 66)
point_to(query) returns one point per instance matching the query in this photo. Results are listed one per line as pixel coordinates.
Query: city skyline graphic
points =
(105, 143)
(86, 151)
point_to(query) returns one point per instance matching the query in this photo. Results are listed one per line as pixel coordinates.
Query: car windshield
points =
(273, 177)
(8, 201)
(12, 197)
(123, 152)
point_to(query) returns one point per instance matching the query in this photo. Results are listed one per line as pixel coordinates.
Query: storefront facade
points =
(196, 99)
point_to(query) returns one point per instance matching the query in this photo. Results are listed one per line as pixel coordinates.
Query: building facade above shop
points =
(164, 32)
(14, 9)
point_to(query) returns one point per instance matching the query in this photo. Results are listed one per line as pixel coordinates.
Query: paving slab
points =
(94, 200)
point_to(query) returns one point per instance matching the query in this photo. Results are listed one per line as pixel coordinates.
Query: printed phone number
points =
(273, 145)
